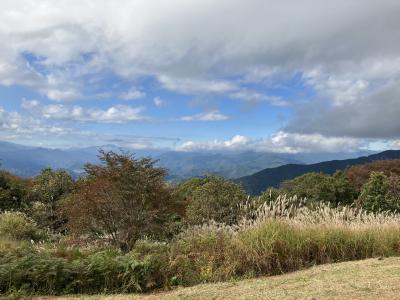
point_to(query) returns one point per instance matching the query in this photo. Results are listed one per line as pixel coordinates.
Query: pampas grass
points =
(283, 236)
(274, 238)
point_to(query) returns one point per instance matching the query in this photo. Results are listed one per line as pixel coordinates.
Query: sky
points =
(199, 75)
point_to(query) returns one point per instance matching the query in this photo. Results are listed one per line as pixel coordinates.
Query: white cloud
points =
(190, 86)
(237, 142)
(196, 47)
(214, 115)
(158, 102)
(280, 142)
(251, 96)
(30, 104)
(132, 94)
(395, 144)
(59, 128)
(61, 95)
(294, 142)
(185, 38)
(60, 48)
(340, 90)
(114, 114)
(9, 120)
(18, 125)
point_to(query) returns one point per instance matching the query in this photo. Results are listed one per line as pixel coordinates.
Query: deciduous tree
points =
(124, 198)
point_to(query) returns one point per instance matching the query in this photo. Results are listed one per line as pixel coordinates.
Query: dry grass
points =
(367, 279)
(294, 210)
(280, 237)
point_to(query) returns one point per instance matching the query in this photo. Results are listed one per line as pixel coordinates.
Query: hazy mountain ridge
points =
(231, 165)
(29, 161)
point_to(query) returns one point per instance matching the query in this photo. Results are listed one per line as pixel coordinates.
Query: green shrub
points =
(16, 225)
(319, 187)
(215, 199)
(156, 255)
(381, 193)
(48, 192)
(13, 191)
(101, 272)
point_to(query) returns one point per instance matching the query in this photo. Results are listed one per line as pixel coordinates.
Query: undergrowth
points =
(275, 238)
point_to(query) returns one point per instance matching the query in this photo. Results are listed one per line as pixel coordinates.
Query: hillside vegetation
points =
(123, 229)
(272, 177)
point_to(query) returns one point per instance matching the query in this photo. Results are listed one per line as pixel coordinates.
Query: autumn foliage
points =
(359, 174)
(124, 198)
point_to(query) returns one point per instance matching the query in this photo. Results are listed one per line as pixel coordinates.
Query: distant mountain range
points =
(28, 161)
(184, 165)
(272, 177)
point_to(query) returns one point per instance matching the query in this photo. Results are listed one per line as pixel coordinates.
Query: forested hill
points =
(273, 177)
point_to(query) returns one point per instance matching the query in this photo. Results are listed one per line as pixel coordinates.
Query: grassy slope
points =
(368, 279)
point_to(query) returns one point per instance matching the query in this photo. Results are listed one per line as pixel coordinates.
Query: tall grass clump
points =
(18, 226)
(283, 236)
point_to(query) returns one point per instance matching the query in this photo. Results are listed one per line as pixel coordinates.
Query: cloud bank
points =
(346, 52)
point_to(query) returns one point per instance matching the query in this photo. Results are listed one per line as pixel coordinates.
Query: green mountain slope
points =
(273, 177)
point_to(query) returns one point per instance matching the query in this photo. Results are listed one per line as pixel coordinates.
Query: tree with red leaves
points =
(124, 198)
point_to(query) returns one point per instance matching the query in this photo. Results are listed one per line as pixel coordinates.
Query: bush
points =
(48, 192)
(373, 192)
(216, 199)
(17, 226)
(13, 191)
(381, 193)
(393, 193)
(156, 256)
(319, 187)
